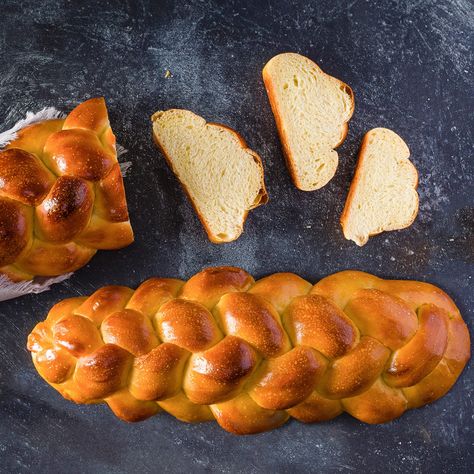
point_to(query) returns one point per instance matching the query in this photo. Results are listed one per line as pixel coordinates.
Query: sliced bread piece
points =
(311, 111)
(222, 177)
(383, 193)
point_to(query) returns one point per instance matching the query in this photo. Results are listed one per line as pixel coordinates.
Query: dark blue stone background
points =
(410, 64)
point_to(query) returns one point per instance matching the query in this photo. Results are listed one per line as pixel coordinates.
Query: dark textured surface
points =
(410, 65)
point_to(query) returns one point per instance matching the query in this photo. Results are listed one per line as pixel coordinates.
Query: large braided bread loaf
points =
(61, 195)
(252, 354)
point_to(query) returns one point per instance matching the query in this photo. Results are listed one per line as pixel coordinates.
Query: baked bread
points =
(222, 177)
(311, 111)
(61, 195)
(251, 354)
(383, 193)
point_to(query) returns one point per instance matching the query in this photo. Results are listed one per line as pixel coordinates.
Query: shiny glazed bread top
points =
(61, 195)
(251, 354)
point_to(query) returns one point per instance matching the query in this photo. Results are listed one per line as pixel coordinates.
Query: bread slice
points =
(222, 177)
(383, 193)
(311, 111)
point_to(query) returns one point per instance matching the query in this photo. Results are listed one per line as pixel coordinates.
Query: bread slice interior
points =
(222, 177)
(382, 195)
(311, 111)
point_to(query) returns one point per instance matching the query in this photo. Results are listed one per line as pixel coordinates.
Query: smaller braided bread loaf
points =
(251, 354)
(61, 195)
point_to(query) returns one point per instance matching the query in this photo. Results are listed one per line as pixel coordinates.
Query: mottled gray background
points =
(410, 63)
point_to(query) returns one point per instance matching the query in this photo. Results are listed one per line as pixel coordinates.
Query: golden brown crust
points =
(76, 334)
(66, 210)
(48, 258)
(77, 152)
(219, 373)
(280, 289)
(320, 324)
(63, 175)
(261, 199)
(255, 320)
(348, 376)
(102, 373)
(187, 324)
(23, 177)
(252, 354)
(183, 409)
(157, 375)
(128, 408)
(152, 293)
(131, 330)
(287, 153)
(110, 196)
(209, 285)
(382, 316)
(424, 351)
(379, 404)
(33, 138)
(90, 115)
(289, 379)
(15, 227)
(241, 416)
(316, 409)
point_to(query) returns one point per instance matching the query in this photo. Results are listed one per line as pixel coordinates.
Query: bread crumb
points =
(168, 74)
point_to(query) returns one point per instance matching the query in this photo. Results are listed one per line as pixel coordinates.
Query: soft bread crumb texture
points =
(311, 111)
(223, 178)
(383, 193)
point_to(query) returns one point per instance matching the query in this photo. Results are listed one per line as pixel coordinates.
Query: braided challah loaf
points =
(61, 195)
(251, 354)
